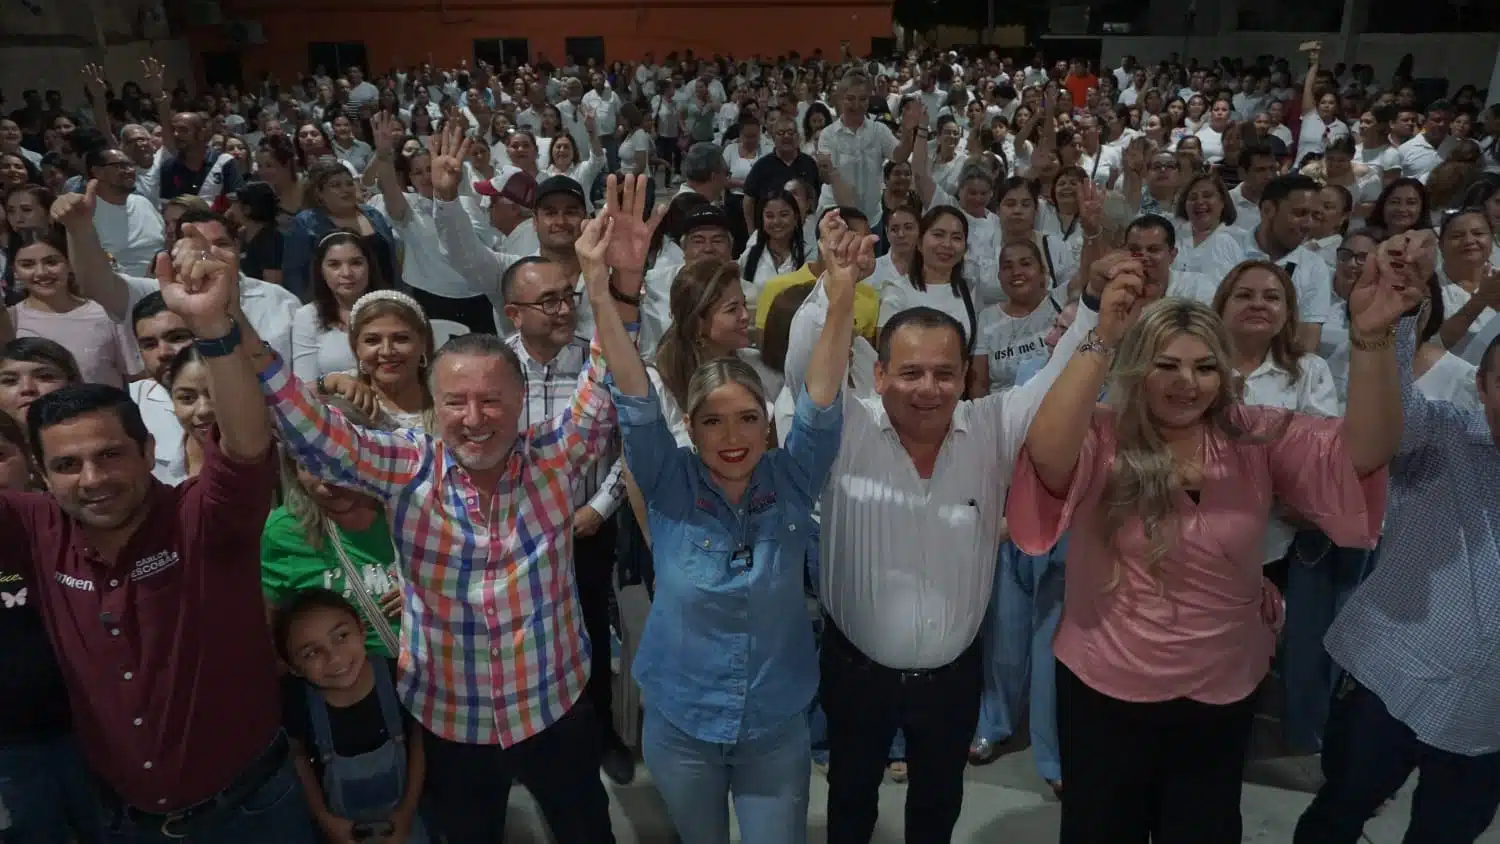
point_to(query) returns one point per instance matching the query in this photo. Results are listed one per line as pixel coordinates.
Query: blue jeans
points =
(767, 778)
(1368, 755)
(1320, 578)
(1018, 631)
(47, 789)
(276, 812)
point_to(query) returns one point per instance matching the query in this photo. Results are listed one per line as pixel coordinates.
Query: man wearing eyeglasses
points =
(541, 301)
(128, 225)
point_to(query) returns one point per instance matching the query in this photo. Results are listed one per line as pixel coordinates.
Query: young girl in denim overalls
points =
(361, 785)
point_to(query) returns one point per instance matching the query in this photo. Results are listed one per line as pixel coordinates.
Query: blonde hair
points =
(294, 497)
(722, 372)
(382, 303)
(696, 289)
(1144, 477)
(1284, 349)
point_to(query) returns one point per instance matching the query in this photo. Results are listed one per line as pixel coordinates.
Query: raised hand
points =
(592, 248)
(94, 80)
(153, 77)
(76, 209)
(848, 257)
(1122, 303)
(1090, 206)
(449, 149)
(631, 241)
(1392, 284)
(385, 129)
(200, 282)
(1104, 270)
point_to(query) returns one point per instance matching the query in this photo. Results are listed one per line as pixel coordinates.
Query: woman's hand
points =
(1090, 208)
(449, 149)
(631, 240)
(354, 391)
(848, 256)
(1122, 302)
(385, 129)
(1392, 284)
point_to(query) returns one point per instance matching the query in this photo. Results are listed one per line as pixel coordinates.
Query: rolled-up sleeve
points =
(1312, 473)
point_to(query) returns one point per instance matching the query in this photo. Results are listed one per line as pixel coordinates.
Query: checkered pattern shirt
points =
(1423, 632)
(492, 643)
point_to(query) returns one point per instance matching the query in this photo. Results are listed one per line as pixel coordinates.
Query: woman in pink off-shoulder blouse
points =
(1167, 624)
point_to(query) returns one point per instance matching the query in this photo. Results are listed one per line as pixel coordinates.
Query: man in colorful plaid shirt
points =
(493, 653)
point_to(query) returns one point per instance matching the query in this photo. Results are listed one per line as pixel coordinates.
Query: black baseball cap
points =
(554, 185)
(704, 217)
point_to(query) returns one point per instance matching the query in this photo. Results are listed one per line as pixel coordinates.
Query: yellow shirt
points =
(866, 301)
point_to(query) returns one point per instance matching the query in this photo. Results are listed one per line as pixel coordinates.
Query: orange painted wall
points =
(397, 32)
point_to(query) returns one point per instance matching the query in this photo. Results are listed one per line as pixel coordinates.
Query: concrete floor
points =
(1004, 802)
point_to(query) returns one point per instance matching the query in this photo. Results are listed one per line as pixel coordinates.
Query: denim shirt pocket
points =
(705, 553)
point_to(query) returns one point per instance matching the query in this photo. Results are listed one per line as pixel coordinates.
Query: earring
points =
(364, 368)
(422, 361)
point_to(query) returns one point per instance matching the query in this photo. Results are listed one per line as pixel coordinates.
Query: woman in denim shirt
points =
(333, 199)
(727, 666)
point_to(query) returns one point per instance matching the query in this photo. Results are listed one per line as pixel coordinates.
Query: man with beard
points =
(494, 656)
(128, 225)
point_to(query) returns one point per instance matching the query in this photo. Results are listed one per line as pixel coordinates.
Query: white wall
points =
(1464, 58)
(58, 67)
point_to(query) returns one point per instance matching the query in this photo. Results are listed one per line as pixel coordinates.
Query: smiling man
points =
(153, 601)
(160, 335)
(494, 656)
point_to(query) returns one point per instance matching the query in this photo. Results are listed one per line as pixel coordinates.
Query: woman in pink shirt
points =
(1168, 625)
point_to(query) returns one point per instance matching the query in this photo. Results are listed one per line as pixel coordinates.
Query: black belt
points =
(832, 635)
(176, 824)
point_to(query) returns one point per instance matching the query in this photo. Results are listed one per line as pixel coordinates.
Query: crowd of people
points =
(925, 398)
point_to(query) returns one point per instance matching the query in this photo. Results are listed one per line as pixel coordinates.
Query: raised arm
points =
(1387, 288)
(200, 283)
(849, 257)
(92, 270)
(1313, 49)
(1055, 436)
(98, 90)
(461, 246)
(153, 79)
(386, 131)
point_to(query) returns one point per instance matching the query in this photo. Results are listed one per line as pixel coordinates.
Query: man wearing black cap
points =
(705, 234)
(558, 209)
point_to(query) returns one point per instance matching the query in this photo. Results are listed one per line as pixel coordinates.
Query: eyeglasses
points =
(553, 305)
(1349, 256)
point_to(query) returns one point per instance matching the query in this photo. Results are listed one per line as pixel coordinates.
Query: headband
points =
(394, 296)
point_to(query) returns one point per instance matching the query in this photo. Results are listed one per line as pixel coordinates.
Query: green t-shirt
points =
(288, 564)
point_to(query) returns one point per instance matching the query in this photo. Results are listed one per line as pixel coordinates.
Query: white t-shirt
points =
(898, 297)
(318, 351)
(131, 233)
(637, 143)
(1215, 256)
(1316, 135)
(1006, 341)
(1380, 159)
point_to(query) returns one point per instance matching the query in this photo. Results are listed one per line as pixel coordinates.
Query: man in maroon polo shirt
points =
(151, 594)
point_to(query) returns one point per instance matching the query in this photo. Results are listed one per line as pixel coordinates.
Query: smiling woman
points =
(392, 342)
(193, 405)
(32, 367)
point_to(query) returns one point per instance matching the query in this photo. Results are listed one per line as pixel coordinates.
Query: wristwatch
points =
(221, 346)
(623, 298)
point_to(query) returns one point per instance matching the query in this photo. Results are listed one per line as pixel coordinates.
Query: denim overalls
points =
(367, 787)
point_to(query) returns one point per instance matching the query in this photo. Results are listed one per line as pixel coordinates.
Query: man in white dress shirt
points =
(912, 521)
(1286, 209)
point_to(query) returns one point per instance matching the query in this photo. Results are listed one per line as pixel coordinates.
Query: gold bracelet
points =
(1384, 341)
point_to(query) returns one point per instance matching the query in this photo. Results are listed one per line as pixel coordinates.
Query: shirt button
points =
(705, 543)
(147, 766)
(129, 675)
(137, 722)
(162, 802)
(114, 583)
(494, 651)
(114, 631)
(490, 611)
(792, 528)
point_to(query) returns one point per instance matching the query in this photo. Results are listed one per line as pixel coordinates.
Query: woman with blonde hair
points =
(329, 537)
(1168, 624)
(731, 520)
(393, 348)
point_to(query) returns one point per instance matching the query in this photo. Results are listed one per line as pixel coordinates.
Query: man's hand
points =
(586, 521)
(200, 282)
(630, 240)
(153, 77)
(449, 149)
(76, 209)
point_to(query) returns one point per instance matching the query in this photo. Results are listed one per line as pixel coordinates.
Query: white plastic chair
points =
(444, 330)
